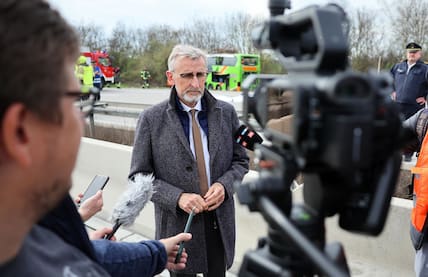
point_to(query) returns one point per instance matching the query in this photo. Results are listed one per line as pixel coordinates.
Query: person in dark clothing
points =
(410, 84)
(97, 79)
(410, 81)
(117, 76)
(195, 164)
(145, 258)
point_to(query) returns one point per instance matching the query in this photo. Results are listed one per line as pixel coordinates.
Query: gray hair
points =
(183, 50)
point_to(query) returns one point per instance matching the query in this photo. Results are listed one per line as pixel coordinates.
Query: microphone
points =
(247, 137)
(132, 201)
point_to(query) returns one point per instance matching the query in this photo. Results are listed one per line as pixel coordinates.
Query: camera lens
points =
(352, 87)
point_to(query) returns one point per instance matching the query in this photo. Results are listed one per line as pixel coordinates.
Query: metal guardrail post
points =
(91, 125)
(92, 120)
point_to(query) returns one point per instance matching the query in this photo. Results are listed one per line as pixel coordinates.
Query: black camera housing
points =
(345, 126)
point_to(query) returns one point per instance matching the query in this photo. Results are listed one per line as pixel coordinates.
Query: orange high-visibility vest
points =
(420, 197)
(420, 181)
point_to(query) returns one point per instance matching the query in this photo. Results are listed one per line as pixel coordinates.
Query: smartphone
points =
(186, 230)
(98, 183)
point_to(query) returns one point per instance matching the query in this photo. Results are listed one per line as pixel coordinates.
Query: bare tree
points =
(160, 39)
(239, 28)
(140, 40)
(205, 33)
(364, 40)
(120, 41)
(363, 36)
(231, 33)
(92, 36)
(120, 45)
(408, 21)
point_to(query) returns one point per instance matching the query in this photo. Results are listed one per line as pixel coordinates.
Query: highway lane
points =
(153, 95)
(137, 99)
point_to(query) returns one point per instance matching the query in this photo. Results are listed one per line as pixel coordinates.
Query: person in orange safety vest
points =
(419, 226)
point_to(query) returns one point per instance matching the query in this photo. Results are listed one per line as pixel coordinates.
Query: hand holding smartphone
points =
(186, 230)
(98, 183)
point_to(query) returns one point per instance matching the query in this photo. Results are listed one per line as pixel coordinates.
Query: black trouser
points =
(215, 250)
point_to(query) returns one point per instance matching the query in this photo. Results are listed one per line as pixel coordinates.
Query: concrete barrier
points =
(389, 254)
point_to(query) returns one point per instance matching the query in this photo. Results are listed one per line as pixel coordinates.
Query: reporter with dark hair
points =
(40, 129)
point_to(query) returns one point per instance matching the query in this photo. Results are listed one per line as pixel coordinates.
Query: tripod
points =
(295, 244)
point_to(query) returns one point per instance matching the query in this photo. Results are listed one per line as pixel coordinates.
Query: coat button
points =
(188, 168)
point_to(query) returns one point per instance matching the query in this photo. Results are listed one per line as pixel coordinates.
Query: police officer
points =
(410, 81)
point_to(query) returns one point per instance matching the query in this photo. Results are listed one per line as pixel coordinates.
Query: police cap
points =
(413, 47)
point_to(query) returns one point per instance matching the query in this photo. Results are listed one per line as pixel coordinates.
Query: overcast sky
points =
(143, 13)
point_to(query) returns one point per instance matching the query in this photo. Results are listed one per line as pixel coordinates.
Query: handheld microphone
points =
(247, 137)
(186, 230)
(132, 201)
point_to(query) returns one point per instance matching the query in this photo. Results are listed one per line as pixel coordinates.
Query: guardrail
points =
(105, 108)
(119, 110)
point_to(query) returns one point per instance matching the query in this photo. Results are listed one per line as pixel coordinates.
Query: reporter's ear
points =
(14, 134)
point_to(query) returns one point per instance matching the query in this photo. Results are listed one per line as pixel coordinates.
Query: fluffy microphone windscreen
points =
(133, 199)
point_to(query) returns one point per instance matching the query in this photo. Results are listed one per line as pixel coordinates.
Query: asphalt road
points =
(152, 95)
(137, 99)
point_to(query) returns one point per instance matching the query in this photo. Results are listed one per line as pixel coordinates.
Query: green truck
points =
(228, 71)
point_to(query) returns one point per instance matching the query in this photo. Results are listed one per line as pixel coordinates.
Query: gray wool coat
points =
(162, 148)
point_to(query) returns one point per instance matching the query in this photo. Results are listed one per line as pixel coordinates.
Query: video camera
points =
(337, 128)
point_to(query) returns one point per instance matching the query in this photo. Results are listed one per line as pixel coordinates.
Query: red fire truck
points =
(102, 60)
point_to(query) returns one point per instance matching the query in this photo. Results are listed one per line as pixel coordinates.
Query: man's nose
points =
(195, 81)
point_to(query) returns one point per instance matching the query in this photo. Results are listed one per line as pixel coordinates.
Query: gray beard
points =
(192, 99)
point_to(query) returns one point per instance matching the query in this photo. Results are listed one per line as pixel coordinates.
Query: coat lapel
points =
(174, 124)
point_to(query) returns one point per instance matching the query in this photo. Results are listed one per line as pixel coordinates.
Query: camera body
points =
(336, 127)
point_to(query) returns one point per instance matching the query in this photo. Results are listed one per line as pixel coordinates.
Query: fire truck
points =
(103, 61)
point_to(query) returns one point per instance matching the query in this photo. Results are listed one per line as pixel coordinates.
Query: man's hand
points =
(91, 206)
(393, 95)
(188, 201)
(171, 247)
(101, 233)
(215, 196)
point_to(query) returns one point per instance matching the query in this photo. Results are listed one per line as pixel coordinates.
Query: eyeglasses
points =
(85, 101)
(189, 76)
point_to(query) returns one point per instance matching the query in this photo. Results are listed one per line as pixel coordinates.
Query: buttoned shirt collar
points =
(186, 108)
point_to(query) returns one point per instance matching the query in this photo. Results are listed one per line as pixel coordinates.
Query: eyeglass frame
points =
(190, 75)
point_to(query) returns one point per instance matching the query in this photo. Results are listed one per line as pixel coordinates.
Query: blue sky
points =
(142, 13)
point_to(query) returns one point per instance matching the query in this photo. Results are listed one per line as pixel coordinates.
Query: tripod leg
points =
(336, 252)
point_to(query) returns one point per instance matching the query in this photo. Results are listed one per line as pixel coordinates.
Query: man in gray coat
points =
(165, 146)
